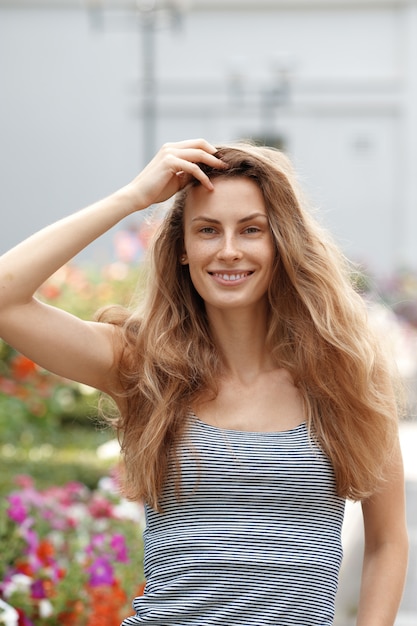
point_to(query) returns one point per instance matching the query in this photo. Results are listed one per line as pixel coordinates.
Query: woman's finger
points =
(188, 160)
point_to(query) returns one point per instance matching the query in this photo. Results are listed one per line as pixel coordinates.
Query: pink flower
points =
(17, 510)
(24, 481)
(97, 543)
(118, 544)
(127, 245)
(8, 386)
(101, 572)
(100, 507)
(31, 538)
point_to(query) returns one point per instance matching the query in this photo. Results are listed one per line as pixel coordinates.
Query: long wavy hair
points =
(317, 329)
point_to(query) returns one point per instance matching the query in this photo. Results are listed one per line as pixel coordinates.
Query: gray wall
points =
(336, 81)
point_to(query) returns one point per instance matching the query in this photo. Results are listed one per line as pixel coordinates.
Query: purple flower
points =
(101, 572)
(118, 544)
(17, 510)
(37, 590)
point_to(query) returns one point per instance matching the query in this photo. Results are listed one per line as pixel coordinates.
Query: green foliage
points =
(34, 403)
(71, 457)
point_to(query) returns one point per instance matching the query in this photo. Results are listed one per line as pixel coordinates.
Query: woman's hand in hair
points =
(171, 169)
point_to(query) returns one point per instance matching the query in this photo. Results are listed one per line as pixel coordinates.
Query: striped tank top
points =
(255, 538)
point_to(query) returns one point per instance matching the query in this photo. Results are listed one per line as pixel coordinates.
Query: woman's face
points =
(228, 244)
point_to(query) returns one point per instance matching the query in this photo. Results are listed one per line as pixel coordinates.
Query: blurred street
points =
(353, 544)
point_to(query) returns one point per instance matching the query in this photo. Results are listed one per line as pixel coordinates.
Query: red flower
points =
(22, 367)
(71, 617)
(23, 618)
(23, 567)
(45, 552)
(106, 605)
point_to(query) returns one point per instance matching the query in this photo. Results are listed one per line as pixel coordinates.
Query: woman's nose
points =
(229, 248)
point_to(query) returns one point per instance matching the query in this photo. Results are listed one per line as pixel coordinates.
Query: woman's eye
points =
(252, 229)
(207, 230)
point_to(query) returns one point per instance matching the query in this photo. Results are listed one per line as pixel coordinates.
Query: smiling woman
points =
(252, 396)
(229, 251)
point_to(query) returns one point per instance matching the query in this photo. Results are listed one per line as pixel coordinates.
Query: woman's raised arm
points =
(58, 341)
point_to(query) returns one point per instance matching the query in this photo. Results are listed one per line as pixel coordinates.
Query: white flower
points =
(45, 608)
(18, 583)
(8, 615)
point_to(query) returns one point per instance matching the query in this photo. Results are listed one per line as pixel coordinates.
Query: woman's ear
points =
(184, 259)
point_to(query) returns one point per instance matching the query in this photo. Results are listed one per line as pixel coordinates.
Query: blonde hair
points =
(318, 330)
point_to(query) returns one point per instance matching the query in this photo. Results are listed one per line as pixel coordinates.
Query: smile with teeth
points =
(231, 277)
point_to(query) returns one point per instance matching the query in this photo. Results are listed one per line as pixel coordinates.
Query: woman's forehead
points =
(228, 193)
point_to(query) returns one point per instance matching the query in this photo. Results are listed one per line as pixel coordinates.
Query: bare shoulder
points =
(108, 341)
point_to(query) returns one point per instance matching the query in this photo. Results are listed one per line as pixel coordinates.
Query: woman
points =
(252, 396)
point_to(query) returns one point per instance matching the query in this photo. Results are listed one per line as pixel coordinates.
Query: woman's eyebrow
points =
(253, 216)
(206, 218)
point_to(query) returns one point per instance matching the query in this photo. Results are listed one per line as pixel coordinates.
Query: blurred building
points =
(89, 90)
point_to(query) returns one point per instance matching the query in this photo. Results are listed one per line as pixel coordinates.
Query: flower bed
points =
(70, 556)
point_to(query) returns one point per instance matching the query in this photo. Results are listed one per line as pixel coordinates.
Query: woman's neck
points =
(241, 337)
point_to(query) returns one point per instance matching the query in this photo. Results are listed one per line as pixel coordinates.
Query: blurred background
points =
(89, 90)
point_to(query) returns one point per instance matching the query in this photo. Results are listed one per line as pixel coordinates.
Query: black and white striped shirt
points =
(254, 540)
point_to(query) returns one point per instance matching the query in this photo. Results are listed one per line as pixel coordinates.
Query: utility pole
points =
(148, 14)
(149, 83)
